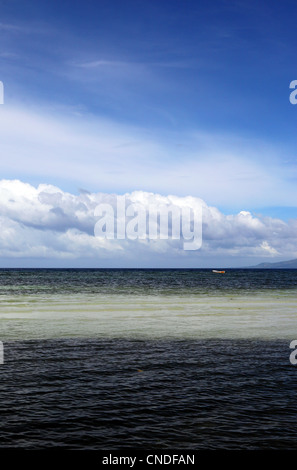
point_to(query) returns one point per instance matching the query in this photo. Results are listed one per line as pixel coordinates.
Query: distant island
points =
(291, 264)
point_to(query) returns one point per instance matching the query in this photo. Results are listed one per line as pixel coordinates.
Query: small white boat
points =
(216, 271)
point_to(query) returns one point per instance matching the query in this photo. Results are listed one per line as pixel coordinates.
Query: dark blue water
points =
(115, 394)
(148, 281)
(100, 393)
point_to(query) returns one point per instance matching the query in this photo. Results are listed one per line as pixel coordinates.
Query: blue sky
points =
(171, 97)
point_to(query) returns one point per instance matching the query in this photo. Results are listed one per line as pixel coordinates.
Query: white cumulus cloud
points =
(46, 223)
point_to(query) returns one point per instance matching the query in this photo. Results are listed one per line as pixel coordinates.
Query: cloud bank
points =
(47, 223)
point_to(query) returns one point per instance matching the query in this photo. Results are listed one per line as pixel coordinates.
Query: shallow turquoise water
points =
(148, 304)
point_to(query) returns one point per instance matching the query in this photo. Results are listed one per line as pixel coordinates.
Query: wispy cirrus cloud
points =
(183, 64)
(8, 55)
(10, 27)
(74, 149)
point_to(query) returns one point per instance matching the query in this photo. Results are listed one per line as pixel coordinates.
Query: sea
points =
(111, 359)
